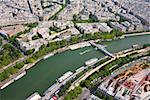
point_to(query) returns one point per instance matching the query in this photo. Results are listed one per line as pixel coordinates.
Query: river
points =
(44, 73)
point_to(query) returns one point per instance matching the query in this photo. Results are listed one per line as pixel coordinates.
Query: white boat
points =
(12, 80)
(91, 61)
(20, 75)
(65, 76)
(86, 51)
(47, 56)
(80, 69)
(6, 84)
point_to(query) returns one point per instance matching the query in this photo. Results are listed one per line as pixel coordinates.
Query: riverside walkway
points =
(136, 34)
(102, 48)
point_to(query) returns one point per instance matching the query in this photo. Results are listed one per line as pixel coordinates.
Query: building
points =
(26, 41)
(129, 26)
(93, 27)
(133, 83)
(118, 26)
(12, 30)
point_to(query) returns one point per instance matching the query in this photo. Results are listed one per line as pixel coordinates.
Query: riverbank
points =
(60, 50)
(50, 69)
(16, 76)
(54, 88)
(26, 67)
(96, 36)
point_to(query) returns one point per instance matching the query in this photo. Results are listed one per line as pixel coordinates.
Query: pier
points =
(102, 48)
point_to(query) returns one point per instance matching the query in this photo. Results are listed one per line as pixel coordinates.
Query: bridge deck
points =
(102, 48)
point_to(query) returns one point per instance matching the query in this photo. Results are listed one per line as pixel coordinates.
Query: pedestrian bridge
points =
(102, 48)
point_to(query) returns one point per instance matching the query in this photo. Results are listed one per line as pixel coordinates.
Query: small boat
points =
(86, 51)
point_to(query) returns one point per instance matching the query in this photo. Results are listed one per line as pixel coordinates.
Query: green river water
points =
(44, 73)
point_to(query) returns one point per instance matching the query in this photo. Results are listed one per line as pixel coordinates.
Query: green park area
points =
(8, 54)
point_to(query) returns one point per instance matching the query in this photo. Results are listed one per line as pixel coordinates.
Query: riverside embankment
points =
(44, 74)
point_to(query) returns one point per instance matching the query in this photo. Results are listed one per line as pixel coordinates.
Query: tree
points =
(116, 32)
(63, 43)
(73, 94)
(30, 60)
(12, 70)
(4, 75)
(93, 18)
(30, 51)
(19, 65)
(74, 39)
(0, 41)
(35, 37)
(86, 83)
(67, 2)
(75, 17)
(8, 55)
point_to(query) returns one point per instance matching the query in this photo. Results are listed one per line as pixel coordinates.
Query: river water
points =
(44, 74)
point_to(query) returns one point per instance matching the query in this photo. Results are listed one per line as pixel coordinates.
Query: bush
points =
(19, 65)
